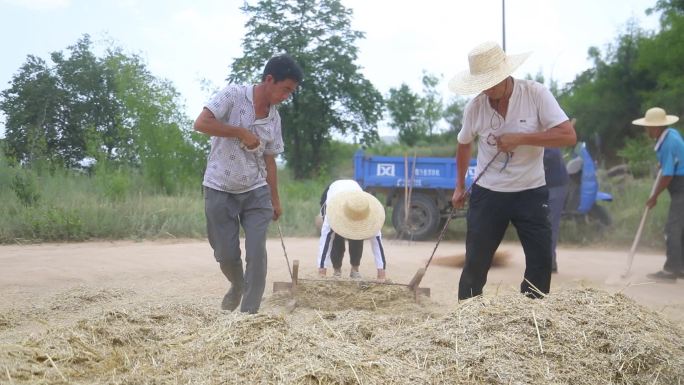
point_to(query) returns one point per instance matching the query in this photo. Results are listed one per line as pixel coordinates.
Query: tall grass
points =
(119, 204)
(301, 204)
(76, 207)
(626, 210)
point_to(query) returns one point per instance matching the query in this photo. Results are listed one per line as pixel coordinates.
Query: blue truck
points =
(429, 183)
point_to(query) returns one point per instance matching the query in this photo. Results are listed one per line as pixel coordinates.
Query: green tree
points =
(669, 9)
(406, 114)
(333, 97)
(606, 98)
(662, 56)
(638, 71)
(32, 106)
(539, 78)
(453, 113)
(154, 133)
(432, 101)
(91, 102)
(110, 108)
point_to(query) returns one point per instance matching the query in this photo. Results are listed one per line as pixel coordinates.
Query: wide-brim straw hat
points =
(355, 215)
(656, 117)
(489, 65)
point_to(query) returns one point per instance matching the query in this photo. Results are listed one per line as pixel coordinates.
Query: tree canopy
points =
(110, 109)
(76, 105)
(638, 71)
(406, 110)
(334, 96)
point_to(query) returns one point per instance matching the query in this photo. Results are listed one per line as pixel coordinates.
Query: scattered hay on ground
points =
(7, 319)
(81, 296)
(341, 294)
(571, 337)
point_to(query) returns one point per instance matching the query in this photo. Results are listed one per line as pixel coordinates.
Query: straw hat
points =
(489, 65)
(355, 214)
(656, 117)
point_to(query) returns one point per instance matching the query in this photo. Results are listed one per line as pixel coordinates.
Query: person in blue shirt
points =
(670, 152)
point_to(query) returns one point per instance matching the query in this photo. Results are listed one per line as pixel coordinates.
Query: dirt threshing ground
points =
(83, 295)
(164, 271)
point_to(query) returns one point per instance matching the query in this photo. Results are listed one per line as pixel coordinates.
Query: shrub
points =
(25, 186)
(54, 224)
(638, 153)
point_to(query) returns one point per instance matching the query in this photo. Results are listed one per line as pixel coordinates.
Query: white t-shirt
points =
(342, 185)
(229, 167)
(325, 243)
(531, 108)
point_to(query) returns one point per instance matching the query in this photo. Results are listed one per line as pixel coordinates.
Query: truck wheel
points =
(601, 215)
(423, 219)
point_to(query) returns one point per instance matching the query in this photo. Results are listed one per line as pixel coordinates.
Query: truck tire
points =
(423, 220)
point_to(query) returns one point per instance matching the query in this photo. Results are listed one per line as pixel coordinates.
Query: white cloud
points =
(39, 5)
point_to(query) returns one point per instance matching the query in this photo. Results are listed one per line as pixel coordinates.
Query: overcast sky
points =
(186, 41)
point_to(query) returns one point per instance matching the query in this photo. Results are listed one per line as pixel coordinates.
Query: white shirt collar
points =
(249, 93)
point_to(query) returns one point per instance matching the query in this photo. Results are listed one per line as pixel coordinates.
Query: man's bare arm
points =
(663, 182)
(462, 163)
(207, 123)
(272, 180)
(559, 136)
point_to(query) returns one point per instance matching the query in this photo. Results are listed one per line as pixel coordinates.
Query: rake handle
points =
(637, 237)
(451, 212)
(282, 243)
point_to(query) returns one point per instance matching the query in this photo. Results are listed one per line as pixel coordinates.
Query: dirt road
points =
(162, 271)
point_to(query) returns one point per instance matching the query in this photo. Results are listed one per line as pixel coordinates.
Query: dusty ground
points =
(33, 276)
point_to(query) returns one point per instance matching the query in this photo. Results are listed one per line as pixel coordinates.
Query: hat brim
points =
(669, 119)
(355, 229)
(464, 83)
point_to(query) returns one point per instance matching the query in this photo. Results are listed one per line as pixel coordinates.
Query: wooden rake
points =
(418, 277)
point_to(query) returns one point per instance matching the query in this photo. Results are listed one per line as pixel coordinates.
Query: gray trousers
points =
(674, 228)
(557, 195)
(225, 213)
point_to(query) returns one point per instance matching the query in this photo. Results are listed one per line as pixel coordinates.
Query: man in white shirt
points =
(240, 182)
(512, 120)
(350, 215)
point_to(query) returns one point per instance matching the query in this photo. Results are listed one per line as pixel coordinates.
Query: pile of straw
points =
(570, 337)
(7, 319)
(341, 294)
(80, 296)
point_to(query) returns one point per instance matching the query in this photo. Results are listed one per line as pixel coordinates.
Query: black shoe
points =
(232, 299)
(663, 276)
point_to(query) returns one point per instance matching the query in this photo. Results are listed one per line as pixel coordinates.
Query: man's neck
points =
(508, 89)
(261, 104)
(660, 138)
(501, 104)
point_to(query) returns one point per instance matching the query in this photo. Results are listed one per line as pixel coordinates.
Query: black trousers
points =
(674, 228)
(489, 214)
(338, 249)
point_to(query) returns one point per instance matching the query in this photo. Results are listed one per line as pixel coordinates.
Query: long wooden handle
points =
(637, 237)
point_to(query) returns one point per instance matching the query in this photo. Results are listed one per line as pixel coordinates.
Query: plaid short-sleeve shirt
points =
(231, 168)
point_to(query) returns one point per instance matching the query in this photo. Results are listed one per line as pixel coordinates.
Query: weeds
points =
(119, 204)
